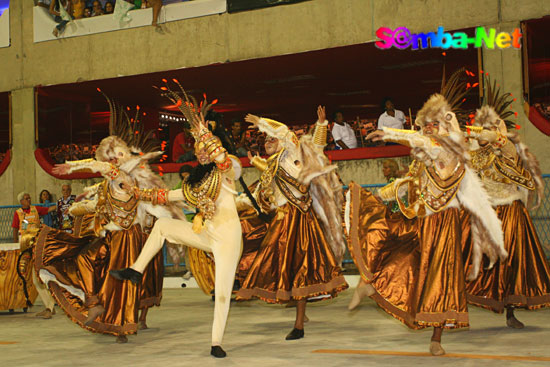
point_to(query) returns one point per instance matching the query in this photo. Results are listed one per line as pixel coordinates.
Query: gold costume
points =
(78, 266)
(523, 279)
(294, 260)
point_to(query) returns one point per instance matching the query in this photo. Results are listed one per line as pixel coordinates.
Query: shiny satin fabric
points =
(84, 263)
(203, 269)
(523, 279)
(254, 230)
(294, 261)
(415, 265)
(12, 295)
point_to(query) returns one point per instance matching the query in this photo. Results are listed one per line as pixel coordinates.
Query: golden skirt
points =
(415, 265)
(523, 279)
(84, 263)
(294, 261)
(254, 230)
(12, 295)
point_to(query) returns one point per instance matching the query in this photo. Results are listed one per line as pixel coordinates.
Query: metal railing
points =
(540, 217)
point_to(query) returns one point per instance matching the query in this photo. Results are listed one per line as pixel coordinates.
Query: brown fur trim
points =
(434, 109)
(326, 192)
(486, 116)
(532, 165)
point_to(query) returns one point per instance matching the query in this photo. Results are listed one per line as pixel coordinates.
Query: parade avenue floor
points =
(179, 335)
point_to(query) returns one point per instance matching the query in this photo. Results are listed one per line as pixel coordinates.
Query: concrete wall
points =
(311, 25)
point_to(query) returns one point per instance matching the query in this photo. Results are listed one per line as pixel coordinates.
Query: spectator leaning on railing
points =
(63, 205)
(342, 133)
(27, 216)
(46, 199)
(391, 118)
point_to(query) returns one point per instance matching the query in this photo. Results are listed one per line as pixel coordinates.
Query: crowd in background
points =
(543, 108)
(79, 9)
(72, 152)
(342, 134)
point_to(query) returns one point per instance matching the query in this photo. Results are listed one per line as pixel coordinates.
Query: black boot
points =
(295, 334)
(127, 274)
(217, 351)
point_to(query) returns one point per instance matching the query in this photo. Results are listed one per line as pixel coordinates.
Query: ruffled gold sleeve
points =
(387, 193)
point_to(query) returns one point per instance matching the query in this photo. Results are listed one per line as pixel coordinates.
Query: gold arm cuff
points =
(259, 163)
(320, 135)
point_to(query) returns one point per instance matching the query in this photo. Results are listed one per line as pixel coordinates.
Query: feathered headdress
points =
(130, 129)
(449, 99)
(495, 107)
(193, 111)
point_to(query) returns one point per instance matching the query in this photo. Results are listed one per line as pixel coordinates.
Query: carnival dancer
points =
(109, 232)
(511, 175)
(210, 188)
(411, 264)
(299, 257)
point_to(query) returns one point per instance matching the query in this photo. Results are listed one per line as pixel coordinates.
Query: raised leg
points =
(173, 230)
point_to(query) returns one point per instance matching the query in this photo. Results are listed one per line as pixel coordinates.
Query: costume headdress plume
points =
(193, 111)
(130, 129)
(498, 102)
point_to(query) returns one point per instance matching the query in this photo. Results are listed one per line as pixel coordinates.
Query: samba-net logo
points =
(402, 38)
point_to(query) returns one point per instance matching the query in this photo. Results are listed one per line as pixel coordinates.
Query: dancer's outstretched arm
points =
(275, 129)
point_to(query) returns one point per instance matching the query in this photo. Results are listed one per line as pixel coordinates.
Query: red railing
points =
(5, 162)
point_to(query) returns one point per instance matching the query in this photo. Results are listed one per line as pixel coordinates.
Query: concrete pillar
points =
(22, 165)
(505, 66)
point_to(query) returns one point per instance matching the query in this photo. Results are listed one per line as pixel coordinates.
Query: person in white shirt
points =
(392, 118)
(343, 134)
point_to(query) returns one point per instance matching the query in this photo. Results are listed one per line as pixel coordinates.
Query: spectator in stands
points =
(60, 9)
(78, 8)
(390, 170)
(27, 216)
(183, 149)
(44, 3)
(46, 199)
(97, 9)
(88, 12)
(391, 117)
(342, 133)
(239, 138)
(63, 205)
(109, 7)
(156, 5)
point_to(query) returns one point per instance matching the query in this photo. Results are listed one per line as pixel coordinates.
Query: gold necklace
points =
(204, 194)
